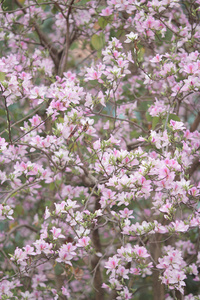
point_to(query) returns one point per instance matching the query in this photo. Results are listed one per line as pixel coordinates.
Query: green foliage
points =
(19, 211)
(155, 121)
(98, 41)
(58, 269)
(102, 22)
(2, 76)
(173, 117)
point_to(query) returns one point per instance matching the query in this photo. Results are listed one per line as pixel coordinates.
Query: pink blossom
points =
(177, 125)
(65, 291)
(83, 242)
(38, 280)
(6, 212)
(179, 226)
(124, 294)
(29, 250)
(60, 207)
(19, 256)
(135, 271)
(141, 252)
(126, 213)
(131, 37)
(190, 68)
(112, 264)
(106, 12)
(66, 253)
(166, 207)
(42, 246)
(35, 121)
(156, 58)
(123, 272)
(57, 233)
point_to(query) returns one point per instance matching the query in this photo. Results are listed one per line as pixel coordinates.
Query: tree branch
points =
(99, 292)
(195, 124)
(43, 40)
(64, 57)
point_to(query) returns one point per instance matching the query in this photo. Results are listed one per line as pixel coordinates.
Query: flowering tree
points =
(100, 149)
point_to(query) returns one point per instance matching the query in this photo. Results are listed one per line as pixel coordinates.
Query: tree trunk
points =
(158, 287)
(99, 292)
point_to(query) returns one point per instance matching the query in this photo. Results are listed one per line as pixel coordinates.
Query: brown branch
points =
(27, 184)
(123, 120)
(34, 4)
(7, 261)
(99, 292)
(18, 227)
(32, 129)
(158, 287)
(195, 165)
(43, 40)
(45, 43)
(23, 119)
(64, 57)
(195, 124)
(135, 145)
(95, 260)
(8, 119)
(43, 151)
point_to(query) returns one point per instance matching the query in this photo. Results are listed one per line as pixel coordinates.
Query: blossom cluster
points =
(99, 149)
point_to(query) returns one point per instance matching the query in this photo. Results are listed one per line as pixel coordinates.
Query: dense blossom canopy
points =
(99, 149)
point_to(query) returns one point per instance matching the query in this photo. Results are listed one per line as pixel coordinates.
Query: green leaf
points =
(148, 117)
(155, 122)
(173, 117)
(98, 41)
(58, 269)
(74, 45)
(99, 54)
(135, 134)
(102, 22)
(19, 210)
(52, 186)
(168, 36)
(140, 54)
(54, 10)
(2, 76)
(83, 2)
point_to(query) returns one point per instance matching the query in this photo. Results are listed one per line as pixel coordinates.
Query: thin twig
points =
(23, 119)
(16, 228)
(18, 189)
(32, 129)
(64, 57)
(8, 118)
(123, 120)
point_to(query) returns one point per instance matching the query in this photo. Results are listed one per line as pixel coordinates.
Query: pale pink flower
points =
(29, 250)
(131, 37)
(60, 207)
(47, 213)
(126, 213)
(179, 226)
(83, 242)
(38, 280)
(177, 125)
(106, 12)
(66, 253)
(57, 233)
(123, 272)
(140, 251)
(156, 58)
(19, 256)
(42, 246)
(112, 264)
(65, 291)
